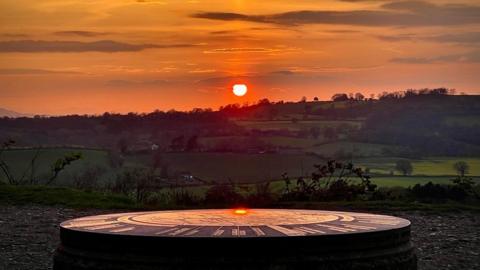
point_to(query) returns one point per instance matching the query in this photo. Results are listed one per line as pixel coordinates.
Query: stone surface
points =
(29, 237)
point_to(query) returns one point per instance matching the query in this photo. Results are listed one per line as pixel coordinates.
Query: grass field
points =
(19, 161)
(433, 166)
(242, 168)
(72, 198)
(467, 121)
(63, 196)
(301, 124)
(361, 149)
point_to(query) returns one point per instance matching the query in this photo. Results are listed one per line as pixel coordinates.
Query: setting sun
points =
(240, 90)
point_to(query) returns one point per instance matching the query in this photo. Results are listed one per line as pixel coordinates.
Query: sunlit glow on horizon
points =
(240, 211)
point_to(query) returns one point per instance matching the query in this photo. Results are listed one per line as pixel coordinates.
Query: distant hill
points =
(13, 114)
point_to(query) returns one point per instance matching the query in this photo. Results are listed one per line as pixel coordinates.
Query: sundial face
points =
(235, 223)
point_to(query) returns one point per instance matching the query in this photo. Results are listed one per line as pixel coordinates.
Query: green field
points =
(301, 124)
(433, 166)
(244, 168)
(240, 168)
(467, 121)
(280, 141)
(19, 161)
(359, 149)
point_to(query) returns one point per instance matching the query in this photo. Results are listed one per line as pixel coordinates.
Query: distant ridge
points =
(13, 114)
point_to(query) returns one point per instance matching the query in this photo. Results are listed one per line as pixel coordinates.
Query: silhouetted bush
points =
(223, 194)
(332, 181)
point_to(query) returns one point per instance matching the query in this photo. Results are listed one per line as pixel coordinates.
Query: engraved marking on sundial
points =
(125, 229)
(218, 232)
(87, 223)
(289, 232)
(96, 228)
(166, 231)
(258, 231)
(309, 230)
(335, 228)
(360, 227)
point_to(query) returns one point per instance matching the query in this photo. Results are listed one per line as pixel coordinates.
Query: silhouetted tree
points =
(404, 166)
(178, 143)
(359, 96)
(340, 97)
(61, 164)
(461, 168)
(192, 143)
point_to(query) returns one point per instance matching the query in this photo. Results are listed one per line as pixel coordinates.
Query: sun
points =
(240, 90)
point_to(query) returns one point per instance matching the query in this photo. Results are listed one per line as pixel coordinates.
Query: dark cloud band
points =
(36, 46)
(407, 13)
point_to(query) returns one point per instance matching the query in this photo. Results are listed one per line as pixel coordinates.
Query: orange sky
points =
(77, 56)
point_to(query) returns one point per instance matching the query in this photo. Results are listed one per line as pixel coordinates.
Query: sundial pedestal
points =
(225, 239)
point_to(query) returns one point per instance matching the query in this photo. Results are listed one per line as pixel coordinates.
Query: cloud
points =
(127, 83)
(37, 46)
(200, 71)
(14, 35)
(80, 33)
(342, 31)
(460, 38)
(31, 71)
(470, 57)
(406, 13)
(282, 72)
(251, 50)
(223, 32)
(464, 38)
(355, 1)
(401, 37)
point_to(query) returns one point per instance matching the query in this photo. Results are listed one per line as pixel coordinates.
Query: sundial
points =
(234, 223)
(230, 238)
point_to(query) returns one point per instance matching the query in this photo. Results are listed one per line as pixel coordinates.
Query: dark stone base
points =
(399, 258)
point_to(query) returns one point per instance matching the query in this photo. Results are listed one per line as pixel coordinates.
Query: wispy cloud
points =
(32, 71)
(80, 33)
(466, 38)
(470, 57)
(405, 13)
(38, 46)
(282, 72)
(251, 50)
(14, 35)
(128, 83)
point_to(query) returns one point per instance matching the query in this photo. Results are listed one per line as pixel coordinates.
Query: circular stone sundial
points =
(236, 239)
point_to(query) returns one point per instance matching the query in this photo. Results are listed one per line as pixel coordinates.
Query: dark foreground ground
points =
(29, 236)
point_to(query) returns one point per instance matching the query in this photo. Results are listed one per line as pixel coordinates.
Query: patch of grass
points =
(358, 149)
(239, 168)
(305, 143)
(19, 160)
(301, 124)
(409, 181)
(431, 166)
(381, 206)
(464, 121)
(63, 196)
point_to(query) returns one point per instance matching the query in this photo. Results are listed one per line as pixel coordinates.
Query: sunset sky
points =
(78, 56)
